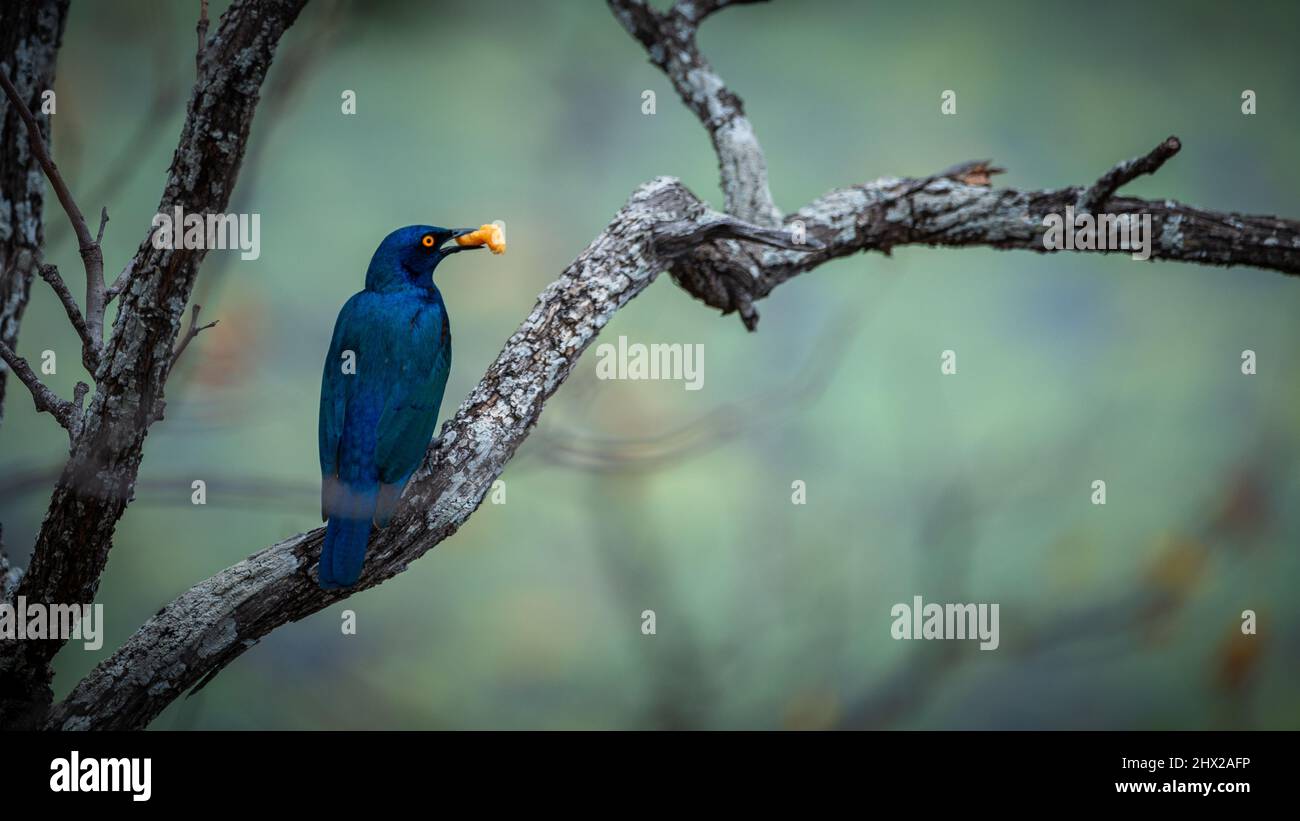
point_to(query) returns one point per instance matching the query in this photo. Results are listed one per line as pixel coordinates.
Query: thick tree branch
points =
(942, 211)
(96, 484)
(669, 39)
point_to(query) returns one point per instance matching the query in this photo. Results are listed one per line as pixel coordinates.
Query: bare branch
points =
(1092, 200)
(103, 221)
(201, 29)
(941, 211)
(122, 282)
(191, 332)
(46, 400)
(669, 39)
(91, 254)
(89, 352)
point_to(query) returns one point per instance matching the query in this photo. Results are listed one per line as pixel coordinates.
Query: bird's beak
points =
(453, 246)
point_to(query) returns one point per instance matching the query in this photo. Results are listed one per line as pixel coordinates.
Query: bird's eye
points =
(428, 241)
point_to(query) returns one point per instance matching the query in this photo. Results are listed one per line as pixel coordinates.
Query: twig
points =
(201, 28)
(46, 400)
(191, 332)
(89, 353)
(1103, 189)
(122, 282)
(91, 255)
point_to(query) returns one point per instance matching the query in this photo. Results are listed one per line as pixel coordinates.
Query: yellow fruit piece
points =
(489, 235)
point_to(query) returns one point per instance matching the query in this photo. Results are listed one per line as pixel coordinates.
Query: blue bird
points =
(384, 378)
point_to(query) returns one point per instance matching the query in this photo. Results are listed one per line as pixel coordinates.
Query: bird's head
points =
(409, 255)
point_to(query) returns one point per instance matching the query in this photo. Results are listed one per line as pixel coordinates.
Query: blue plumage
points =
(382, 385)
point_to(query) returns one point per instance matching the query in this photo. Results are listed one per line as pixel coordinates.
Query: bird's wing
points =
(411, 409)
(334, 388)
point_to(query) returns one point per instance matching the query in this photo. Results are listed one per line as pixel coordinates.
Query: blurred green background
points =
(641, 495)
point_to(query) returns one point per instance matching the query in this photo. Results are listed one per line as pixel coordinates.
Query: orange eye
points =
(427, 242)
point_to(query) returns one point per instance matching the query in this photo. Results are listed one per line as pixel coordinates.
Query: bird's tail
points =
(346, 536)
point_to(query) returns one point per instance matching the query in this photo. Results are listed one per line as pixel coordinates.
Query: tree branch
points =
(92, 256)
(89, 352)
(669, 39)
(46, 400)
(941, 211)
(190, 332)
(1095, 197)
(121, 282)
(201, 29)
